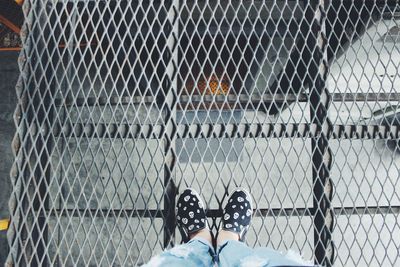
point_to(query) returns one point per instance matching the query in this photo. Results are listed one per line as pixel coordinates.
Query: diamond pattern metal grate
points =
(122, 104)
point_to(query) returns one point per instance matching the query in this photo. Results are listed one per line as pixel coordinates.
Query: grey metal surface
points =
(8, 77)
(122, 105)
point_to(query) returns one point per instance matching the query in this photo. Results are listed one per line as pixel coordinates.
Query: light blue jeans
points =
(198, 252)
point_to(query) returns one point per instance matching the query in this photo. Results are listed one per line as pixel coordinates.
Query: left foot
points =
(191, 216)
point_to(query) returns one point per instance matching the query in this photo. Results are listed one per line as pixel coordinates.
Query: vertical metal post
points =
(66, 90)
(42, 119)
(170, 87)
(321, 154)
(17, 169)
(35, 103)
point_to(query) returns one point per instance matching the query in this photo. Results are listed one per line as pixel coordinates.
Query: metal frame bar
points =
(170, 90)
(242, 99)
(244, 130)
(21, 128)
(36, 170)
(275, 212)
(318, 66)
(43, 140)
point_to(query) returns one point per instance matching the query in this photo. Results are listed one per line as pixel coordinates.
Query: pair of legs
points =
(230, 249)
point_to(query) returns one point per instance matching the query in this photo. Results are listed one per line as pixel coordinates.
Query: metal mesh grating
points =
(124, 104)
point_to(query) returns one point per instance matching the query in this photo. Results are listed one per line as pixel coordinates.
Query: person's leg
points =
(192, 223)
(236, 253)
(197, 252)
(231, 250)
(235, 223)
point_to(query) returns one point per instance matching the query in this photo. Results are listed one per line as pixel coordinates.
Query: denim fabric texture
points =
(198, 252)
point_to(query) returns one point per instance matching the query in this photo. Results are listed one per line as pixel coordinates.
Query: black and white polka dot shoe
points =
(190, 214)
(237, 213)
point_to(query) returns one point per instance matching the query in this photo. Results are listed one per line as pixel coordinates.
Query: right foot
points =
(237, 216)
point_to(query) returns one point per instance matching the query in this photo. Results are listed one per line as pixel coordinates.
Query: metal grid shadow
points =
(121, 105)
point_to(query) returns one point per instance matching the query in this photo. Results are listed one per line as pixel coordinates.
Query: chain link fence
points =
(123, 104)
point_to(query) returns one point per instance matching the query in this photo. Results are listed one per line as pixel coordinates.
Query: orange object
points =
(19, 2)
(214, 85)
(218, 86)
